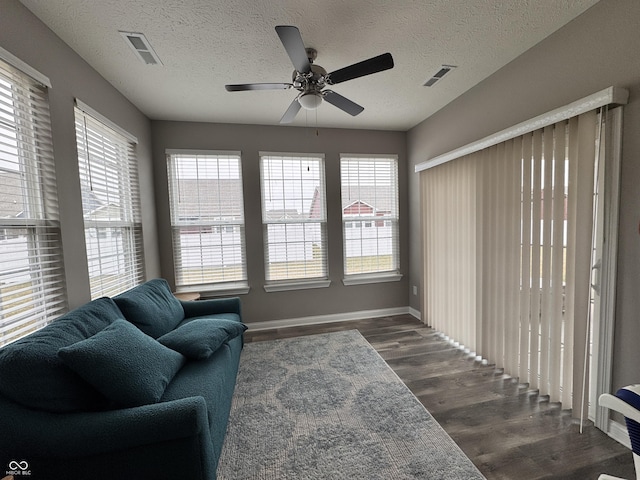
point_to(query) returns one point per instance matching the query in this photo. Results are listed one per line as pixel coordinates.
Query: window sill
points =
(371, 278)
(208, 291)
(301, 285)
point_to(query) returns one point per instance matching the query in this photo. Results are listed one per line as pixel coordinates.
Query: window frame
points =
(319, 197)
(359, 224)
(106, 151)
(33, 291)
(237, 286)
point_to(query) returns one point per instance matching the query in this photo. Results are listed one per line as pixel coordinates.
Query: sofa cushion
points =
(199, 337)
(32, 374)
(123, 363)
(151, 307)
(214, 379)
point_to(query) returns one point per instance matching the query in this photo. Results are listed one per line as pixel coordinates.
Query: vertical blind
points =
(207, 219)
(294, 216)
(507, 247)
(108, 170)
(369, 214)
(32, 281)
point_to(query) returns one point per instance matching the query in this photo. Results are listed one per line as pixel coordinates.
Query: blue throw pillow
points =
(124, 364)
(151, 307)
(32, 374)
(200, 337)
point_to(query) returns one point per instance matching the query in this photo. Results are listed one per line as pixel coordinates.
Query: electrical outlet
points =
(415, 290)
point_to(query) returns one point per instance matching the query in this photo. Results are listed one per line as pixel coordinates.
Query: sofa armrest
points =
(201, 308)
(38, 433)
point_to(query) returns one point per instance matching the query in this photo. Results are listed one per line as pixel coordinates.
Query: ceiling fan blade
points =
(342, 103)
(257, 86)
(360, 69)
(291, 112)
(293, 44)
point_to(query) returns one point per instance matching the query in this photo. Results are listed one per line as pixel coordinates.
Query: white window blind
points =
(507, 245)
(32, 285)
(294, 217)
(108, 169)
(207, 219)
(370, 214)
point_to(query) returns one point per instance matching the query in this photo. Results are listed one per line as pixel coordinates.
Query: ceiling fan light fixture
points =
(310, 100)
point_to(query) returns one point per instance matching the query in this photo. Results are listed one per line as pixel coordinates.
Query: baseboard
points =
(619, 433)
(415, 313)
(337, 317)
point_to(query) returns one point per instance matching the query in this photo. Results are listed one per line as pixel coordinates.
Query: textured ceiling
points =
(205, 44)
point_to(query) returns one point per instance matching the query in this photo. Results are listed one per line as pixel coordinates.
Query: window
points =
(32, 289)
(294, 220)
(108, 169)
(207, 220)
(370, 217)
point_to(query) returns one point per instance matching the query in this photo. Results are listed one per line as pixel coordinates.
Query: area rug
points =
(328, 407)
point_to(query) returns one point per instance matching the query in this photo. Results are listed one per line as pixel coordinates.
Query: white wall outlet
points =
(415, 290)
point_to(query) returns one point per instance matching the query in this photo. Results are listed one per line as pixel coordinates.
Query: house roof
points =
(12, 196)
(205, 198)
(377, 198)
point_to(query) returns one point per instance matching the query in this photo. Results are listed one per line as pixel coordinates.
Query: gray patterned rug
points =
(329, 407)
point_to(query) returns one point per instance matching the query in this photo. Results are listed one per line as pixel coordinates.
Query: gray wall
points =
(259, 306)
(598, 49)
(23, 35)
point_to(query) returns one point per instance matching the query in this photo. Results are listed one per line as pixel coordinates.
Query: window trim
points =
(25, 68)
(37, 301)
(233, 287)
(380, 276)
(105, 121)
(131, 227)
(300, 283)
(368, 278)
(285, 286)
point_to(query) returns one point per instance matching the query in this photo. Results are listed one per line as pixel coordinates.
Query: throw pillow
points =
(32, 374)
(124, 364)
(200, 337)
(151, 307)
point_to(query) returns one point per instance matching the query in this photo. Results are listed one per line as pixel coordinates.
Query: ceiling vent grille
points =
(444, 69)
(141, 47)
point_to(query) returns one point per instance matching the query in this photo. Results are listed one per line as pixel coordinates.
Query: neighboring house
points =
(367, 235)
(11, 205)
(15, 264)
(105, 246)
(199, 200)
(200, 228)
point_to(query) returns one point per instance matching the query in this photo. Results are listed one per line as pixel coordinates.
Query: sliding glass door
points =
(511, 233)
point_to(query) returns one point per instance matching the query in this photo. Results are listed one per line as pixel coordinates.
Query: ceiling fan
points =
(310, 79)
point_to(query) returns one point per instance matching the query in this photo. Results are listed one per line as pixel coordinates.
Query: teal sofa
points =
(137, 386)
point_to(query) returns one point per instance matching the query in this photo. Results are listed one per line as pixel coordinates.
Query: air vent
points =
(142, 48)
(444, 69)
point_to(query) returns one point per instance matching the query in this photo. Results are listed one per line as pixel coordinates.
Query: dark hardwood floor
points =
(507, 430)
